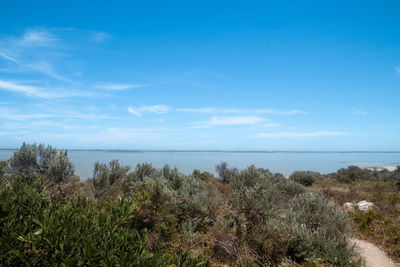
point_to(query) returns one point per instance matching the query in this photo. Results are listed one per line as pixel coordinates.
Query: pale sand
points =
(374, 256)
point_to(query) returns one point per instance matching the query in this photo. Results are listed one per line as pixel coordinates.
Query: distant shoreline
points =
(217, 151)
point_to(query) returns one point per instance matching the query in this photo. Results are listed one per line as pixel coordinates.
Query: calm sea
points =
(186, 162)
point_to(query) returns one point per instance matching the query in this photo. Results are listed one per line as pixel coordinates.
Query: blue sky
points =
(224, 75)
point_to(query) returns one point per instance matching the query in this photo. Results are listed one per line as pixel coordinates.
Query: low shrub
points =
(252, 217)
(379, 225)
(46, 161)
(36, 231)
(105, 176)
(273, 219)
(225, 173)
(352, 174)
(305, 178)
(168, 199)
(143, 170)
(3, 170)
(315, 213)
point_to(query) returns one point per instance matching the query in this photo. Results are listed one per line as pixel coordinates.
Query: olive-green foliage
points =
(3, 169)
(352, 173)
(155, 204)
(106, 175)
(25, 159)
(46, 161)
(313, 211)
(262, 187)
(253, 218)
(318, 225)
(305, 178)
(226, 173)
(386, 175)
(167, 200)
(144, 170)
(273, 219)
(36, 231)
(379, 225)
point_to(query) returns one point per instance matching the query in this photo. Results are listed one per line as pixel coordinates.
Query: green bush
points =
(352, 174)
(46, 161)
(155, 207)
(306, 178)
(3, 167)
(226, 173)
(144, 170)
(321, 227)
(253, 218)
(36, 231)
(273, 219)
(107, 175)
(315, 213)
(168, 199)
(3, 170)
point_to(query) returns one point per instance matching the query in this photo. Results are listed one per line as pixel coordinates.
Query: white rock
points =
(348, 206)
(364, 205)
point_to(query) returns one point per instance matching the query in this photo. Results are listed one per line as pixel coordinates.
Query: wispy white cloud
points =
(397, 69)
(36, 37)
(25, 89)
(15, 115)
(40, 92)
(44, 50)
(159, 109)
(33, 53)
(134, 111)
(45, 68)
(272, 125)
(123, 133)
(100, 37)
(118, 86)
(300, 134)
(359, 112)
(198, 110)
(5, 114)
(8, 57)
(30, 124)
(228, 121)
(213, 110)
(113, 136)
(30, 66)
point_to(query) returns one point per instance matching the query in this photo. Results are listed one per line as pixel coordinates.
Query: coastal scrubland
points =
(381, 224)
(147, 216)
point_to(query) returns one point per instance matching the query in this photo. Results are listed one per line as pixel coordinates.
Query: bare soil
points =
(374, 256)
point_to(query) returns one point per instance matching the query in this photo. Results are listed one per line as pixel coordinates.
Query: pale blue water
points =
(186, 162)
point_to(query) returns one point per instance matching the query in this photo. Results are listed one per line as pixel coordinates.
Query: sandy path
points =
(374, 256)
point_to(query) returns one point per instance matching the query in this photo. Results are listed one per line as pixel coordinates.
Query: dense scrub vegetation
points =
(381, 225)
(305, 178)
(160, 217)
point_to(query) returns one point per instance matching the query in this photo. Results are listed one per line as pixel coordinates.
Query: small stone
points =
(364, 205)
(348, 206)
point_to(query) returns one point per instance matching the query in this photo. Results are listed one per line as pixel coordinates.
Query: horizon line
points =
(215, 151)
